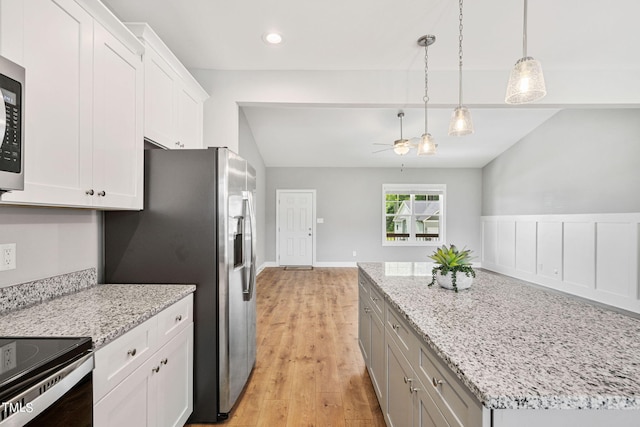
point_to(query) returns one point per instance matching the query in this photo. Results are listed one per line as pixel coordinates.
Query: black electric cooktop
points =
(25, 359)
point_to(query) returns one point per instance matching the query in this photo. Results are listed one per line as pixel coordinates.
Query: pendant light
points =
(427, 145)
(401, 146)
(526, 82)
(461, 123)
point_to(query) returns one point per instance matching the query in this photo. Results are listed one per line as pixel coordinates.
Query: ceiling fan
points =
(400, 146)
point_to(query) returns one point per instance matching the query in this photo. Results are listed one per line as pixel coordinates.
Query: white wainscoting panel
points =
(526, 232)
(594, 256)
(579, 253)
(507, 243)
(549, 251)
(490, 242)
(614, 249)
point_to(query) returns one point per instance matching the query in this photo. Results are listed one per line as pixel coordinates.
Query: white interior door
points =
(295, 227)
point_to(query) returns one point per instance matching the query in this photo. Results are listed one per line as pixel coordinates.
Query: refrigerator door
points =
(236, 301)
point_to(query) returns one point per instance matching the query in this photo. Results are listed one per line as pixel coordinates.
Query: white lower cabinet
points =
(135, 386)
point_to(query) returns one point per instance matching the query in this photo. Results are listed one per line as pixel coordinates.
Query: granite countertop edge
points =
(492, 401)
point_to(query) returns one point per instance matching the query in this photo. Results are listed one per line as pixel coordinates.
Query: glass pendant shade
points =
(401, 147)
(461, 123)
(526, 82)
(427, 146)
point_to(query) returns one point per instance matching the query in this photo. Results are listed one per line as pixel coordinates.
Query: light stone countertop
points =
(517, 346)
(102, 312)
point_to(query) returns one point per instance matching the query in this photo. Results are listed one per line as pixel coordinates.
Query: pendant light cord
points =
(425, 98)
(524, 32)
(460, 58)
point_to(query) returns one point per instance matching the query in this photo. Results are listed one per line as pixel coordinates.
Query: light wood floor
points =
(309, 369)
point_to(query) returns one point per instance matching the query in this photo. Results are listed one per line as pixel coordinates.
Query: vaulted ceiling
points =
(569, 36)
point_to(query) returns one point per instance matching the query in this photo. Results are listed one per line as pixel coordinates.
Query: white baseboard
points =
(317, 264)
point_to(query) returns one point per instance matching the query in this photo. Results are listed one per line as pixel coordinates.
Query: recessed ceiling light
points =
(272, 38)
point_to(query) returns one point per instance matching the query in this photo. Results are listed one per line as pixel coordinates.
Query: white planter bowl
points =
(462, 281)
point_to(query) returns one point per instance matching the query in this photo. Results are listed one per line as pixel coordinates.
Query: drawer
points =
(457, 404)
(118, 359)
(401, 333)
(175, 318)
(377, 301)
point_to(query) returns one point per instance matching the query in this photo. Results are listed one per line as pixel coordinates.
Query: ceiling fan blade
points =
(380, 151)
(382, 143)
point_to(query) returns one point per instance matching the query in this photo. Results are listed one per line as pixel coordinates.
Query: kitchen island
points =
(518, 353)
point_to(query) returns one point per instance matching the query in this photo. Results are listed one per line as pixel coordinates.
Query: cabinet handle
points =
(156, 369)
(436, 382)
(89, 192)
(367, 310)
(102, 193)
(413, 389)
(131, 352)
(164, 361)
(375, 298)
(408, 380)
(395, 326)
(178, 318)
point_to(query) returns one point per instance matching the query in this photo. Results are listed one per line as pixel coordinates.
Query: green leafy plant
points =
(451, 260)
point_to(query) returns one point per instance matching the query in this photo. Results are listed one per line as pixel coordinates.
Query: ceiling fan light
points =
(461, 123)
(427, 146)
(526, 82)
(401, 147)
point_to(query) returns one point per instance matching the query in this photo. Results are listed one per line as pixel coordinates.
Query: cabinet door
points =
(398, 410)
(364, 331)
(426, 412)
(117, 138)
(376, 358)
(175, 380)
(131, 403)
(55, 39)
(189, 120)
(159, 99)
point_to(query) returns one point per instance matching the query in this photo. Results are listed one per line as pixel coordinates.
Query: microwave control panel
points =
(11, 146)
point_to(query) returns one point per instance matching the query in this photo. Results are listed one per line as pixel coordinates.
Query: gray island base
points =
(500, 354)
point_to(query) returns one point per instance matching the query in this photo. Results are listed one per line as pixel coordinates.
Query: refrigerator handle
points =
(250, 272)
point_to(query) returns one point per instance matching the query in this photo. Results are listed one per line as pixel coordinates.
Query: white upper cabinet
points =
(173, 99)
(83, 103)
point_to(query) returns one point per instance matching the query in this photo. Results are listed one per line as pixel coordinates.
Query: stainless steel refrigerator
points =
(197, 226)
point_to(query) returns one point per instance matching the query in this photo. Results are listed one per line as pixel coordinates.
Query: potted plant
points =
(454, 261)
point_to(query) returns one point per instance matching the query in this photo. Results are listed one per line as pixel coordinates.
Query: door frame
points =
(313, 221)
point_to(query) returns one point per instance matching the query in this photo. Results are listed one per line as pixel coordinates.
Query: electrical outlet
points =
(8, 357)
(8, 256)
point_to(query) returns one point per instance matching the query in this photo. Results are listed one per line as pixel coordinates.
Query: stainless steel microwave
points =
(11, 126)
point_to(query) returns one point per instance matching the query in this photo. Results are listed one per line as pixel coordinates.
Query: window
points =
(413, 214)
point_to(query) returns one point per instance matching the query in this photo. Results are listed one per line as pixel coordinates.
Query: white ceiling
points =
(381, 35)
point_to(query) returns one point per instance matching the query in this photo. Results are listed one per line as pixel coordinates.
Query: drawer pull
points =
(178, 318)
(395, 326)
(102, 193)
(413, 389)
(408, 380)
(131, 352)
(156, 369)
(375, 298)
(89, 192)
(367, 310)
(164, 361)
(436, 382)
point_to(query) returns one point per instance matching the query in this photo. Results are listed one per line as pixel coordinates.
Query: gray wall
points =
(350, 201)
(50, 242)
(248, 149)
(579, 161)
